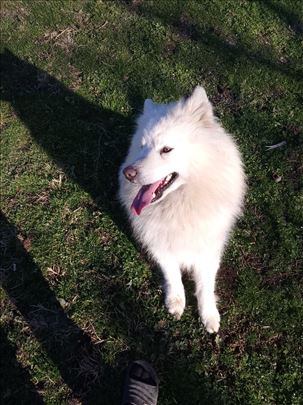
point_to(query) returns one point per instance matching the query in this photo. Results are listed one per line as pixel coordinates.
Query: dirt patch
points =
(226, 283)
(25, 241)
(106, 239)
(54, 274)
(277, 279)
(75, 76)
(42, 198)
(225, 97)
(81, 18)
(13, 10)
(61, 38)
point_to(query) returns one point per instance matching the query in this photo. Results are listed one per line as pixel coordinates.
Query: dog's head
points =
(165, 146)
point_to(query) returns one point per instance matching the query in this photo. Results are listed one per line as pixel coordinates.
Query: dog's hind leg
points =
(205, 276)
(174, 289)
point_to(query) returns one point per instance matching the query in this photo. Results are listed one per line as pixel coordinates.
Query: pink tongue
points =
(144, 197)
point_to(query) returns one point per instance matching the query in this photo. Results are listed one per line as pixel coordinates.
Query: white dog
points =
(182, 185)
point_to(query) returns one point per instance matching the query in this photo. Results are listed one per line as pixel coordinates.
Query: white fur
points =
(189, 226)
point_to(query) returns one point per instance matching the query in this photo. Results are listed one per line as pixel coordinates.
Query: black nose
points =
(130, 173)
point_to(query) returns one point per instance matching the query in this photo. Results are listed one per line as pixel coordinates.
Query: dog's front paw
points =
(175, 304)
(211, 320)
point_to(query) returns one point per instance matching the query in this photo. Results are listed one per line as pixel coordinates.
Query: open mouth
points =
(152, 192)
(165, 183)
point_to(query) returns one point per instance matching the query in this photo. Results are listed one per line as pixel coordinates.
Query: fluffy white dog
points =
(182, 185)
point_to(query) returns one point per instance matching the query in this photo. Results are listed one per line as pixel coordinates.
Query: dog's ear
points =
(199, 107)
(148, 105)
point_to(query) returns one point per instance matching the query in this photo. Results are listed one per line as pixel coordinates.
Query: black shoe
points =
(141, 385)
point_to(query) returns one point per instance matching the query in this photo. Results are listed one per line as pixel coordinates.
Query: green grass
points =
(79, 299)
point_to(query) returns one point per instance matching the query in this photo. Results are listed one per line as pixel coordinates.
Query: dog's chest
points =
(171, 226)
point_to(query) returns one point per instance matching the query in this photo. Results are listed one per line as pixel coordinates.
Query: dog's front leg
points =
(174, 289)
(205, 276)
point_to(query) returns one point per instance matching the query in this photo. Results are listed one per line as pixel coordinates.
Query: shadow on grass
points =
(212, 37)
(15, 381)
(87, 142)
(82, 140)
(65, 343)
(285, 14)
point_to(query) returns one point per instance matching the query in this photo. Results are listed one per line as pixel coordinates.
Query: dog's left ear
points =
(199, 107)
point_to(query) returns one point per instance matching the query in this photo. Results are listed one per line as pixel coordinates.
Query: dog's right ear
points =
(148, 105)
(199, 107)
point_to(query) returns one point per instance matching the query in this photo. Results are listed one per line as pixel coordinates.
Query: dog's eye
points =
(166, 149)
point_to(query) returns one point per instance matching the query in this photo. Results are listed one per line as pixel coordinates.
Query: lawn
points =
(79, 299)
